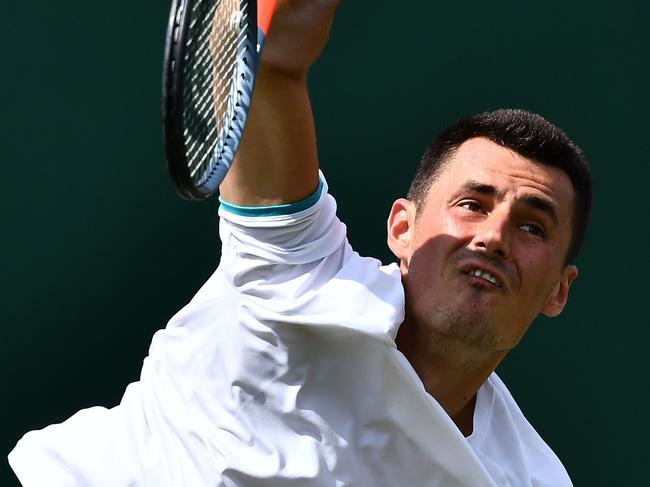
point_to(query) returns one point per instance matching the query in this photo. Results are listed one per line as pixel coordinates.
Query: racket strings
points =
(212, 51)
(199, 124)
(224, 51)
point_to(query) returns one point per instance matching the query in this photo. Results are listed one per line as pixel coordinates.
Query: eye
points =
(533, 228)
(471, 205)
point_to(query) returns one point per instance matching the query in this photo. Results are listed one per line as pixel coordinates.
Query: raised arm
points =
(277, 161)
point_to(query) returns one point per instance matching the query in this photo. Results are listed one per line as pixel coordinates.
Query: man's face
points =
(486, 254)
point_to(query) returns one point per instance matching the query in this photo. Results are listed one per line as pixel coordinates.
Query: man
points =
(300, 362)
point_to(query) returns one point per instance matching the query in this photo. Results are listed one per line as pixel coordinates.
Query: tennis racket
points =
(212, 51)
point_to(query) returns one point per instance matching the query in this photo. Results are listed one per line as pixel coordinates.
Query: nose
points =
(492, 235)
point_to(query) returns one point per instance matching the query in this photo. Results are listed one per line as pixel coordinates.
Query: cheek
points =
(451, 223)
(538, 274)
(424, 269)
(432, 264)
(441, 234)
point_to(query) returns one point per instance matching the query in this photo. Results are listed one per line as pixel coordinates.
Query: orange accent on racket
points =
(265, 9)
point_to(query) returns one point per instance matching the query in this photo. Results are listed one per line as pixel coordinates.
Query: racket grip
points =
(265, 9)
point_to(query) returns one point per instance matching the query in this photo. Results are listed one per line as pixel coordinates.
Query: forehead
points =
(513, 175)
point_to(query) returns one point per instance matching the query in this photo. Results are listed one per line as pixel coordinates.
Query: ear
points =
(557, 300)
(400, 228)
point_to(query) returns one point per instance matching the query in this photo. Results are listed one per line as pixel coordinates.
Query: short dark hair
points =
(526, 133)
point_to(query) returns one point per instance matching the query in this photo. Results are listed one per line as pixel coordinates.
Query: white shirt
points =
(283, 371)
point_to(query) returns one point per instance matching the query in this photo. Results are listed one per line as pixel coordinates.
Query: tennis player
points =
(301, 363)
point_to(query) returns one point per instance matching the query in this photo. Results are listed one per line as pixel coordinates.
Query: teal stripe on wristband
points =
(274, 210)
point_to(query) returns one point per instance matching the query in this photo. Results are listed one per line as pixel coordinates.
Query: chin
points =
(470, 327)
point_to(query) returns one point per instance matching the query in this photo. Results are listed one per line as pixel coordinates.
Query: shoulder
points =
(506, 437)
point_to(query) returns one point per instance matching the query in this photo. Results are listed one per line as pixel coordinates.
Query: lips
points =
(484, 275)
(485, 272)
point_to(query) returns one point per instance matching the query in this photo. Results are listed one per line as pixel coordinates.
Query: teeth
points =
(484, 275)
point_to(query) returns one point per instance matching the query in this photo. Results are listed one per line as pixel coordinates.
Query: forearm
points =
(277, 160)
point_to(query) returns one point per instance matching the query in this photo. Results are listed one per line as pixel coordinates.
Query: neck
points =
(450, 371)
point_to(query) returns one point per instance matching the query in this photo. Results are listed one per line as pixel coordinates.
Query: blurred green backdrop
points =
(97, 252)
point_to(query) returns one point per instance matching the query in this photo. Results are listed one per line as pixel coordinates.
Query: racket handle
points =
(265, 9)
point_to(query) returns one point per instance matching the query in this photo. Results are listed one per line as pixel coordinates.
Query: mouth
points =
(486, 272)
(484, 275)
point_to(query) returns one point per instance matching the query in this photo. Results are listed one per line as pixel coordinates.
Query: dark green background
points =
(98, 252)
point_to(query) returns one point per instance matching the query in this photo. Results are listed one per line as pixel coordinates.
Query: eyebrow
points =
(476, 187)
(536, 202)
(542, 205)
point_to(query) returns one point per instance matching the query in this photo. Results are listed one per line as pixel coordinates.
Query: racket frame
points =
(173, 103)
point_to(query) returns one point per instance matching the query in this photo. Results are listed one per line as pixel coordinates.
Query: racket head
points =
(211, 56)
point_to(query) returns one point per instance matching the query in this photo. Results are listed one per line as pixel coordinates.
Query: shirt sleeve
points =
(294, 264)
(87, 449)
(295, 234)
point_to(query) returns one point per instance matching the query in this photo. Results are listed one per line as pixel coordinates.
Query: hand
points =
(298, 33)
